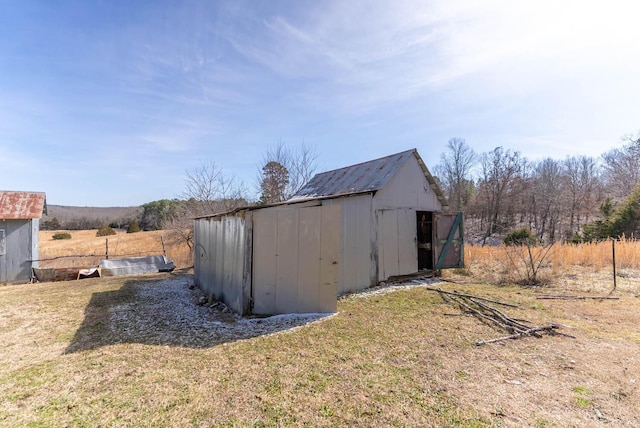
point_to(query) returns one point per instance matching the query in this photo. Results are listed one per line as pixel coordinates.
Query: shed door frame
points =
(424, 239)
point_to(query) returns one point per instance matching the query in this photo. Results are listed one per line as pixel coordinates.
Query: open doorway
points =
(424, 237)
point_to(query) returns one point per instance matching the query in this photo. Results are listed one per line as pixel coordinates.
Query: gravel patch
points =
(167, 312)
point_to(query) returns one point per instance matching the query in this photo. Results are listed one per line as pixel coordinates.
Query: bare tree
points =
(454, 171)
(499, 182)
(548, 188)
(583, 184)
(208, 190)
(622, 167)
(301, 164)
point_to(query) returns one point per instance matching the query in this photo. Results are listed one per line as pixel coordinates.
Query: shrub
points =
(61, 235)
(520, 237)
(105, 231)
(133, 227)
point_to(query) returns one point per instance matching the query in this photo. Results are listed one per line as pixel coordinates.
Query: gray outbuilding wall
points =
(222, 259)
(18, 247)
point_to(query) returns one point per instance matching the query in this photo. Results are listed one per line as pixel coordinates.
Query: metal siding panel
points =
(287, 261)
(407, 242)
(356, 258)
(363, 266)
(264, 261)
(218, 254)
(309, 228)
(247, 266)
(409, 188)
(348, 267)
(228, 250)
(18, 244)
(329, 258)
(388, 243)
(238, 264)
(233, 262)
(3, 251)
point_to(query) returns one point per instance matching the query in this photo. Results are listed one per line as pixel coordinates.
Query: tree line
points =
(573, 199)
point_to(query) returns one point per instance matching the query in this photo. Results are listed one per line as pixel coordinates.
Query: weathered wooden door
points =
(448, 241)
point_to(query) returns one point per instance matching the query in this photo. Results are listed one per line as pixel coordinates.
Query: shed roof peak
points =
(364, 177)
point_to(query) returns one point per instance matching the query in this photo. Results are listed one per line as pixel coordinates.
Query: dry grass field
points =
(139, 351)
(85, 243)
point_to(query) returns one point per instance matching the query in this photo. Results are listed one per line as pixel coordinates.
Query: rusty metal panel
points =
(21, 205)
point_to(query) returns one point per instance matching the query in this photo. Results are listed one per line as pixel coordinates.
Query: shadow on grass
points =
(165, 312)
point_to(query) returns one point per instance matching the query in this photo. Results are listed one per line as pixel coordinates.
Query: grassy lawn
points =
(140, 352)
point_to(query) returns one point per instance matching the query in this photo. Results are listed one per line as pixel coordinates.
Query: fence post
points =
(164, 251)
(107, 248)
(613, 256)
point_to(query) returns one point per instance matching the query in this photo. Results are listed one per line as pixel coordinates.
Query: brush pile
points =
(479, 308)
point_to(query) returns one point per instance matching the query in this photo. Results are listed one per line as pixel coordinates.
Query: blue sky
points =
(107, 103)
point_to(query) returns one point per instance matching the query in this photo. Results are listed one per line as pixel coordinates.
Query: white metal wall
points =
(296, 257)
(408, 189)
(357, 269)
(397, 242)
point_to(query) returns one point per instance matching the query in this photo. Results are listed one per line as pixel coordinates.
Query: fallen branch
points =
(455, 293)
(476, 306)
(566, 297)
(551, 328)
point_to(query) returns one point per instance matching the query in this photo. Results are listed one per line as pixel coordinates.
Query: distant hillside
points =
(90, 217)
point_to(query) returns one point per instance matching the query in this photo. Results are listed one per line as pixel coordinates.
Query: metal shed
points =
(20, 214)
(346, 230)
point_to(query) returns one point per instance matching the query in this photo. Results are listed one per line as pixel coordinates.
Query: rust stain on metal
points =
(21, 205)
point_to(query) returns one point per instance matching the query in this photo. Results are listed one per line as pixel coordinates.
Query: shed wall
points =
(408, 189)
(220, 259)
(296, 257)
(19, 248)
(357, 268)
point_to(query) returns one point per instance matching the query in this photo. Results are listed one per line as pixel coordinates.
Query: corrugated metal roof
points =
(21, 205)
(363, 178)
